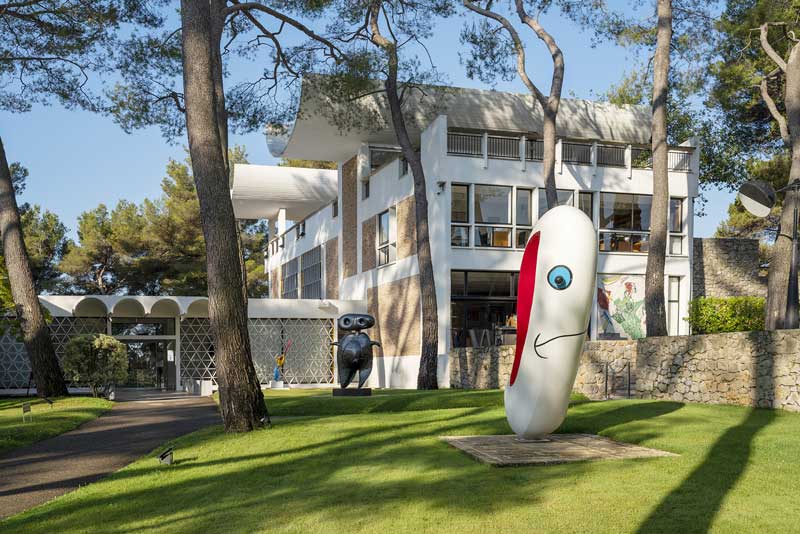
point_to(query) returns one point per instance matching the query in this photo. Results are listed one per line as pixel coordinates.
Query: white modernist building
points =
(354, 237)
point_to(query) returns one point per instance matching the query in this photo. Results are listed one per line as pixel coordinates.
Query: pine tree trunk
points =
(778, 281)
(36, 336)
(656, 316)
(549, 157)
(428, 365)
(241, 399)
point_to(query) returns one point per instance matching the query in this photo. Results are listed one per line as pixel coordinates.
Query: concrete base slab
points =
(511, 451)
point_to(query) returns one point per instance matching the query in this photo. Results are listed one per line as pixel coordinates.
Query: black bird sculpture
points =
(355, 348)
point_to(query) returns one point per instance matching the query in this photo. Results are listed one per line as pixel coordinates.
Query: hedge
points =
(713, 315)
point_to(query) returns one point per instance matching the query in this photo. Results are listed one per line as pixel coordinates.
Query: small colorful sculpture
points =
(355, 348)
(554, 300)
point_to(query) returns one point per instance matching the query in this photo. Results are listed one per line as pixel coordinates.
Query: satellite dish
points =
(757, 197)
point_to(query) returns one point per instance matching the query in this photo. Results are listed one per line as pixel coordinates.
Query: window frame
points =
(390, 245)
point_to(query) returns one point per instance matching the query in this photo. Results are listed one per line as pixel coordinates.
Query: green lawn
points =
(65, 414)
(389, 472)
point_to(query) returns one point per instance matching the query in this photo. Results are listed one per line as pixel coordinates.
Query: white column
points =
(629, 160)
(485, 148)
(178, 320)
(281, 221)
(594, 158)
(523, 143)
(559, 158)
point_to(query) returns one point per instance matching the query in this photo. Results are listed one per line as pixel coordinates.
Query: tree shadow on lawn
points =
(317, 473)
(692, 506)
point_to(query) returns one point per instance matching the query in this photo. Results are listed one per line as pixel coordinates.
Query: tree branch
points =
(773, 55)
(518, 47)
(333, 50)
(555, 52)
(776, 114)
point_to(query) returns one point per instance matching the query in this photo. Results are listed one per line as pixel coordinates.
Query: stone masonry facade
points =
(332, 268)
(349, 217)
(726, 267)
(760, 369)
(396, 308)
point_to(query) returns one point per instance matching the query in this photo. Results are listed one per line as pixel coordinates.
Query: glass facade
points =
(483, 308)
(492, 204)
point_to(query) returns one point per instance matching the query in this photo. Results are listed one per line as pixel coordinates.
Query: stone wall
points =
(332, 268)
(396, 308)
(369, 254)
(406, 228)
(349, 217)
(745, 368)
(727, 267)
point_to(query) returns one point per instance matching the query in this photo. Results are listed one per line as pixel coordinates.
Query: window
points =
(142, 327)
(492, 236)
(625, 222)
(378, 157)
(673, 305)
(586, 204)
(459, 204)
(524, 213)
(311, 274)
(289, 279)
(492, 204)
(501, 216)
(335, 207)
(564, 199)
(483, 307)
(300, 230)
(676, 226)
(365, 189)
(387, 237)
(459, 236)
(403, 166)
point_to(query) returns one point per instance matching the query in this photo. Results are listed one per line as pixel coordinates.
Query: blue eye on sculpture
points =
(560, 277)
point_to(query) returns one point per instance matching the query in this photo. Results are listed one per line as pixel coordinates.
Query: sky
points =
(78, 159)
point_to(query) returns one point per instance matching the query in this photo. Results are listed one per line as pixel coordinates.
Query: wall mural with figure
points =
(620, 306)
(554, 302)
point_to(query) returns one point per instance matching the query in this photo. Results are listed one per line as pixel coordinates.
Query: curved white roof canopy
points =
(326, 130)
(124, 306)
(260, 191)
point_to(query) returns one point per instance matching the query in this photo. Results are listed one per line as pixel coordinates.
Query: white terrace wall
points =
(746, 368)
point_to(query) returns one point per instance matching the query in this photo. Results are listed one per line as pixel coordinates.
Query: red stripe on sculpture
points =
(527, 285)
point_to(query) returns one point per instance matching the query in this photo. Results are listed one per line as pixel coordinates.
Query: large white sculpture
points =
(554, 300)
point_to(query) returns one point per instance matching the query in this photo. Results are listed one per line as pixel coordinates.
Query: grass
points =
(66, 414)
(320, 402)
(389, 472)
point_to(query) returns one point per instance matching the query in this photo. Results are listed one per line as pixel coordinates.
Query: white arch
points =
(165, 307)
(198, 308)
(90, 307)
(128, 307)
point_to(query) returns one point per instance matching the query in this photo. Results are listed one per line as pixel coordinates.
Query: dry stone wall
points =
(727, 267)
(759, 369)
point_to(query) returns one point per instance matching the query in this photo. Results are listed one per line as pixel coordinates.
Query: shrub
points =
(98, 361)
(709, 315)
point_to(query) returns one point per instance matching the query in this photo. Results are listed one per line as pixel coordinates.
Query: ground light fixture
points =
(166, 457)
(758, 198)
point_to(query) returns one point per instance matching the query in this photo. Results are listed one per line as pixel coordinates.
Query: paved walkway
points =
(139, 423)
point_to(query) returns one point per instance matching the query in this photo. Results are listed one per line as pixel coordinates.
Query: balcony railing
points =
(534, 150)
(464, 144)
(576, 153)
(641, 158)
(613, 156)
(507, 147)
(679, 160)
(503, 147)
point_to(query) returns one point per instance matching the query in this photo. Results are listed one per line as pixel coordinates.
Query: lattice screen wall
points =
(14, 365)
(309, 360)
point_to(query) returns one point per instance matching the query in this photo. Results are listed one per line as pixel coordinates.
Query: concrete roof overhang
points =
(328, 130)
(260, 191)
